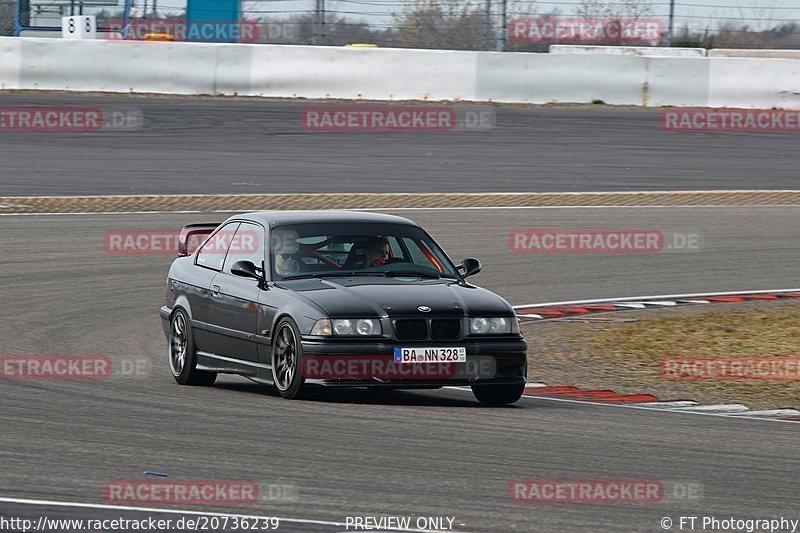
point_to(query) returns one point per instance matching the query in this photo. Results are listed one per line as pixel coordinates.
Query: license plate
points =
(430, 355)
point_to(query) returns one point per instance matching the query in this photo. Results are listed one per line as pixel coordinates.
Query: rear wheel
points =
(182, 353)
(498, 394)
(287, 355)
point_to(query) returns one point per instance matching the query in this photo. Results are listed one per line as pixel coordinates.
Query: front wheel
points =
(182, 353)
(287, 355)
(498, 394)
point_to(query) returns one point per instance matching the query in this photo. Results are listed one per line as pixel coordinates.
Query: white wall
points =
(396, 74)
(362, 73)
(649, 51)
(10, 56)
(543, 78)
(760, 83)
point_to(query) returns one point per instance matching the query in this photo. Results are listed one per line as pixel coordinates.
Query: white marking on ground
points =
(82, 505)
(720, 408)
(641, 407)
(772, 413)
(656, 297)
(666, 405)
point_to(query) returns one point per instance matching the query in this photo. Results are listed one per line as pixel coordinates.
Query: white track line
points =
(772, 413)
(666, 405)
(640, 406)
(727, 408)
(81, 505)
(648, 299)
(658, 409)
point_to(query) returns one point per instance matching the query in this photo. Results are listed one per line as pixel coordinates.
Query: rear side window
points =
(212, 253)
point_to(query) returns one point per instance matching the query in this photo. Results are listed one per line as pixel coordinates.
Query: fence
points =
(512, 25)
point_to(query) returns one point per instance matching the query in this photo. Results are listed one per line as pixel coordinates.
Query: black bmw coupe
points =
(336, 298)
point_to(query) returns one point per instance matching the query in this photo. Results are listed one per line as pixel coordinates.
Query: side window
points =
(246, 245)
(394, 246)
(212, 253)
(417, 256)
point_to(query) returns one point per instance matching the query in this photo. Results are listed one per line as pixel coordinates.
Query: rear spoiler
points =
(192, 236)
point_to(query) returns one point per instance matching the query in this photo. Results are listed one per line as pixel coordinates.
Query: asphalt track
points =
(221, 145)
(351, 453)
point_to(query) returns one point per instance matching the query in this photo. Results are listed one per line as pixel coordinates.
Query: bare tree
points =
(435, 24)
(762, 14)
(616, 9)
(337, 31)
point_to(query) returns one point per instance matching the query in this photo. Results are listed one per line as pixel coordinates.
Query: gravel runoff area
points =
(627, 356)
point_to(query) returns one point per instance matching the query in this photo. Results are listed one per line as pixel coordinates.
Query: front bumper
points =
(165, 313)
(371, 364)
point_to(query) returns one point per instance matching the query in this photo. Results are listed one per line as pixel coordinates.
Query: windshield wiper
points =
(411, 273)
(329, 275)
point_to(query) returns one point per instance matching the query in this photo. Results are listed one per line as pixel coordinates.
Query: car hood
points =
(395, 297)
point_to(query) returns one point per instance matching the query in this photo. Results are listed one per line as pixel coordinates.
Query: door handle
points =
(215, 290)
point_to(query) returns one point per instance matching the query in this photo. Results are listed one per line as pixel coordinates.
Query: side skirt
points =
(209, 362)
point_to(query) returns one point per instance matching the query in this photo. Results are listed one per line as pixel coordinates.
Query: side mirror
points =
(469, 266)
(245, 269)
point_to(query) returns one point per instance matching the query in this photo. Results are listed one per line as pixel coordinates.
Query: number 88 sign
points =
(79, 27)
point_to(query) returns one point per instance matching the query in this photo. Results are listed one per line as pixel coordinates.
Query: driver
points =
(376, 251)
(287, 256)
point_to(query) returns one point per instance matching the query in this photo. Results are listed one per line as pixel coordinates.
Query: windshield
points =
(332, 249)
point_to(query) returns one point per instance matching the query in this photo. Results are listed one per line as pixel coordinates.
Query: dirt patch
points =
(627, 356)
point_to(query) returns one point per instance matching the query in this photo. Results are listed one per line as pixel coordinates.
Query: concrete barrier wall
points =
(543, 78)
(735, 52)
(10, 57)
(396, 74)
(649, 51)
(362, 73)
(754, 82)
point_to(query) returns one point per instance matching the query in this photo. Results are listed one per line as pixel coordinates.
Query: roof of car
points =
(282, 218)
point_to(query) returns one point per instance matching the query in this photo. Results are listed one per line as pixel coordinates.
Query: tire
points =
(183, 354)
(287, 356)
(498, 394)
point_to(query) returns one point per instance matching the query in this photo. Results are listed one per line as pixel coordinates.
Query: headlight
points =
(322, 327)
(357, 327)
(492, 326)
